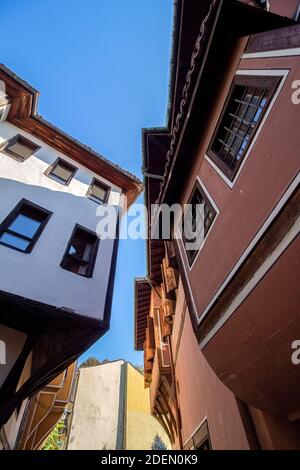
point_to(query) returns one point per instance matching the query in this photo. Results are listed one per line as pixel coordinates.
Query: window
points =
(23, 226)
(205, 445)
(98, 191)
(200, 440)
(19, 148)
(247, 102)
(61, 171)
(197, 221)
(81, 252)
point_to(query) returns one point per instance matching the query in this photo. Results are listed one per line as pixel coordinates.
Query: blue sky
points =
(102, 69)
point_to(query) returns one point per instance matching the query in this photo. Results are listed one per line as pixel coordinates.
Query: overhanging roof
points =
(203, 34)
(224, 23)
(142, 297)
(23, 114)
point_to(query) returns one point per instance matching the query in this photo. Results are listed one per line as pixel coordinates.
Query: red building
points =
(218, 323)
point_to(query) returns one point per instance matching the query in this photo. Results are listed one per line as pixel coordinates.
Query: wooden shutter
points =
(167, 304)
(148, 364)
(201, 435)
(170, 276)
(171, 254)
(167, 328)
(150, 340)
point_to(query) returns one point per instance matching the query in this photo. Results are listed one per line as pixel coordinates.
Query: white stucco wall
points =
(97, 421)
(12, 343)
(38, 275)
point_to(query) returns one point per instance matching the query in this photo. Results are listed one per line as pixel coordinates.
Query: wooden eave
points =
(23, 114)
(188, 15)
(226, 22)
(195, 74)
(142, 297)
(155, 145)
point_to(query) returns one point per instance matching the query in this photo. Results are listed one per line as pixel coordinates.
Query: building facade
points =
(56, 268)
(224, 314)
(111, 400)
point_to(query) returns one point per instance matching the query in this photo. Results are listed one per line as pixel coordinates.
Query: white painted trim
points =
(162, 343)
(262, 270)
(262, 72)
(219, 171)
(255, 240)
(196, 429)
(213, 203)
(181, 249)
(278, 53)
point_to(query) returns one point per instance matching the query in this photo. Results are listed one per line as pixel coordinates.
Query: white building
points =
(56, 273)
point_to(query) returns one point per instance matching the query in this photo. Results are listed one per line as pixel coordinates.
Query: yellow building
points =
(140, 426)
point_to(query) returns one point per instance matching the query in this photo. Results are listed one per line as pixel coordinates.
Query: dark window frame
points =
(268, 82)
(4, 226)
(191, 255)
(91, 263)
(94, 198)
(200, 439)
(63, 163)
(22, 140)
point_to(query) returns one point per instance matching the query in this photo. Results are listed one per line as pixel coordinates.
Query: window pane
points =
(244, 110)
(76, 266)
(20, 150)
(198, 217)
(25, 225)
(98, 192)
(81, 252)
(14, 241)
(62, 172)
(81, 246)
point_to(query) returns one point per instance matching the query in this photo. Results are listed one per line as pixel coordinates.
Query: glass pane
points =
(242, 110)
(229, 139)
(250, 113)
(82, 245)
(81, 249)
(75, 266)
(14, 241)
(62, 172)
(98, 192)
(20, 150)
(25, 225)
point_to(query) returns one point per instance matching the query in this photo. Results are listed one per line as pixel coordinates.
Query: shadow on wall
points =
(120, 441)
